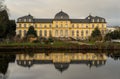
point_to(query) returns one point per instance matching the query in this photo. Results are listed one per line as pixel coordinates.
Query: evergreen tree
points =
(31, 31)
(7, 27)
(4, 23)
(96, 35)
(113, 35)
(11, 29)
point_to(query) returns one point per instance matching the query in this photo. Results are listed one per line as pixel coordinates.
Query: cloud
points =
(109, 9)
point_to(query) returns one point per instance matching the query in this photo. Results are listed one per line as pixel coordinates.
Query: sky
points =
(109, 9)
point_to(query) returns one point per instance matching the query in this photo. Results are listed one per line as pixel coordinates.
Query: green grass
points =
(55, 44)
(87, 43)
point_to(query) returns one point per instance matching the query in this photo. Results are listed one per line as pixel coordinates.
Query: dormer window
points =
(61, 17)
(98, 20)
(19, 20)
(24, 20)
(93, 20)
(103, 20)
(30, 20)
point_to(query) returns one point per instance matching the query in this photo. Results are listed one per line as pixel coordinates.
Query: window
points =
(97, 20)
(35, 25)
(24, 20)
(56, 33)
(88, 17)
(29, 25)
(66, 25)
(45, 26)
(72, 32)
(66, 33)
(25, 32)
(19, 25)
(20, 32)
(93, 20)
(93, 26)
(30, 20)
(40, 25)
(50, 33)
(40, 33)
(61, 32)
(77, 33)
(61, 25)
(61, 17)
(82, 26)
(50, 26)
(82, 33)
(77, 25)
(87, 32)
(86, 26)
(56, 26)
(103, 20)
(102, 25)
(73, 26)
(24, 25)
(45, 33)
(19, 20)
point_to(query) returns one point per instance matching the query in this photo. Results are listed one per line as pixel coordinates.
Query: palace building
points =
(61, 26)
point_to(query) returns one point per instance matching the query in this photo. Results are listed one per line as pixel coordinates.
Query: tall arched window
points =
(45, 33)
(66, 33)
(77, 32)
(20, 25)
(82, 33)
(50, 33)
(40, 33)
(25, 32)
(87, 32)
(56, 33)
(72, 33)
(20, 32)
(93, 26)
(61, 33)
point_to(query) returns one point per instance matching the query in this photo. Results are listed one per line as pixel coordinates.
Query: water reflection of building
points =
(61, 60)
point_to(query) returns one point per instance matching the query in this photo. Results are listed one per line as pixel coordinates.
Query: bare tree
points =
(2, 6)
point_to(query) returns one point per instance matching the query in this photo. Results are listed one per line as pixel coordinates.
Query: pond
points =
(60, 65)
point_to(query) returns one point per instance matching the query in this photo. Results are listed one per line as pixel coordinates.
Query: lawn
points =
(54, 44)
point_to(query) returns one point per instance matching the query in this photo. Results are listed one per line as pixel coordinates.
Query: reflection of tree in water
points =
(4, 61)
(61, 66)
(114, 55)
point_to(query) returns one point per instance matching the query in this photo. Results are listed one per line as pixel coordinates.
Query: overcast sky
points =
(109, 9)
